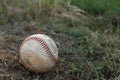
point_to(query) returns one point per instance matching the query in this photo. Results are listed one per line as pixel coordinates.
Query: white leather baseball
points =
(38, 53)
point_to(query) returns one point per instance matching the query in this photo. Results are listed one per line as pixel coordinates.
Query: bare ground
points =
(11, 69)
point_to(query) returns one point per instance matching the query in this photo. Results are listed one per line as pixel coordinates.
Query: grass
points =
(99, 7)
(86, 52)
(95, 52)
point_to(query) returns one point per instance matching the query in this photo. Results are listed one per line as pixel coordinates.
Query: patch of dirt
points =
(9, 62)
(11, 69)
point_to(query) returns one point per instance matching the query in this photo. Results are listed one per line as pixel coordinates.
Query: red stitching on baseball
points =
(44, 45)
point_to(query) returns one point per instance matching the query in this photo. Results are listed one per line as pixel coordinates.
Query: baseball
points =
(38, 53)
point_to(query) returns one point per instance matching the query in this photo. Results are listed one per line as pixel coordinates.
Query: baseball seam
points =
(44, 45)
